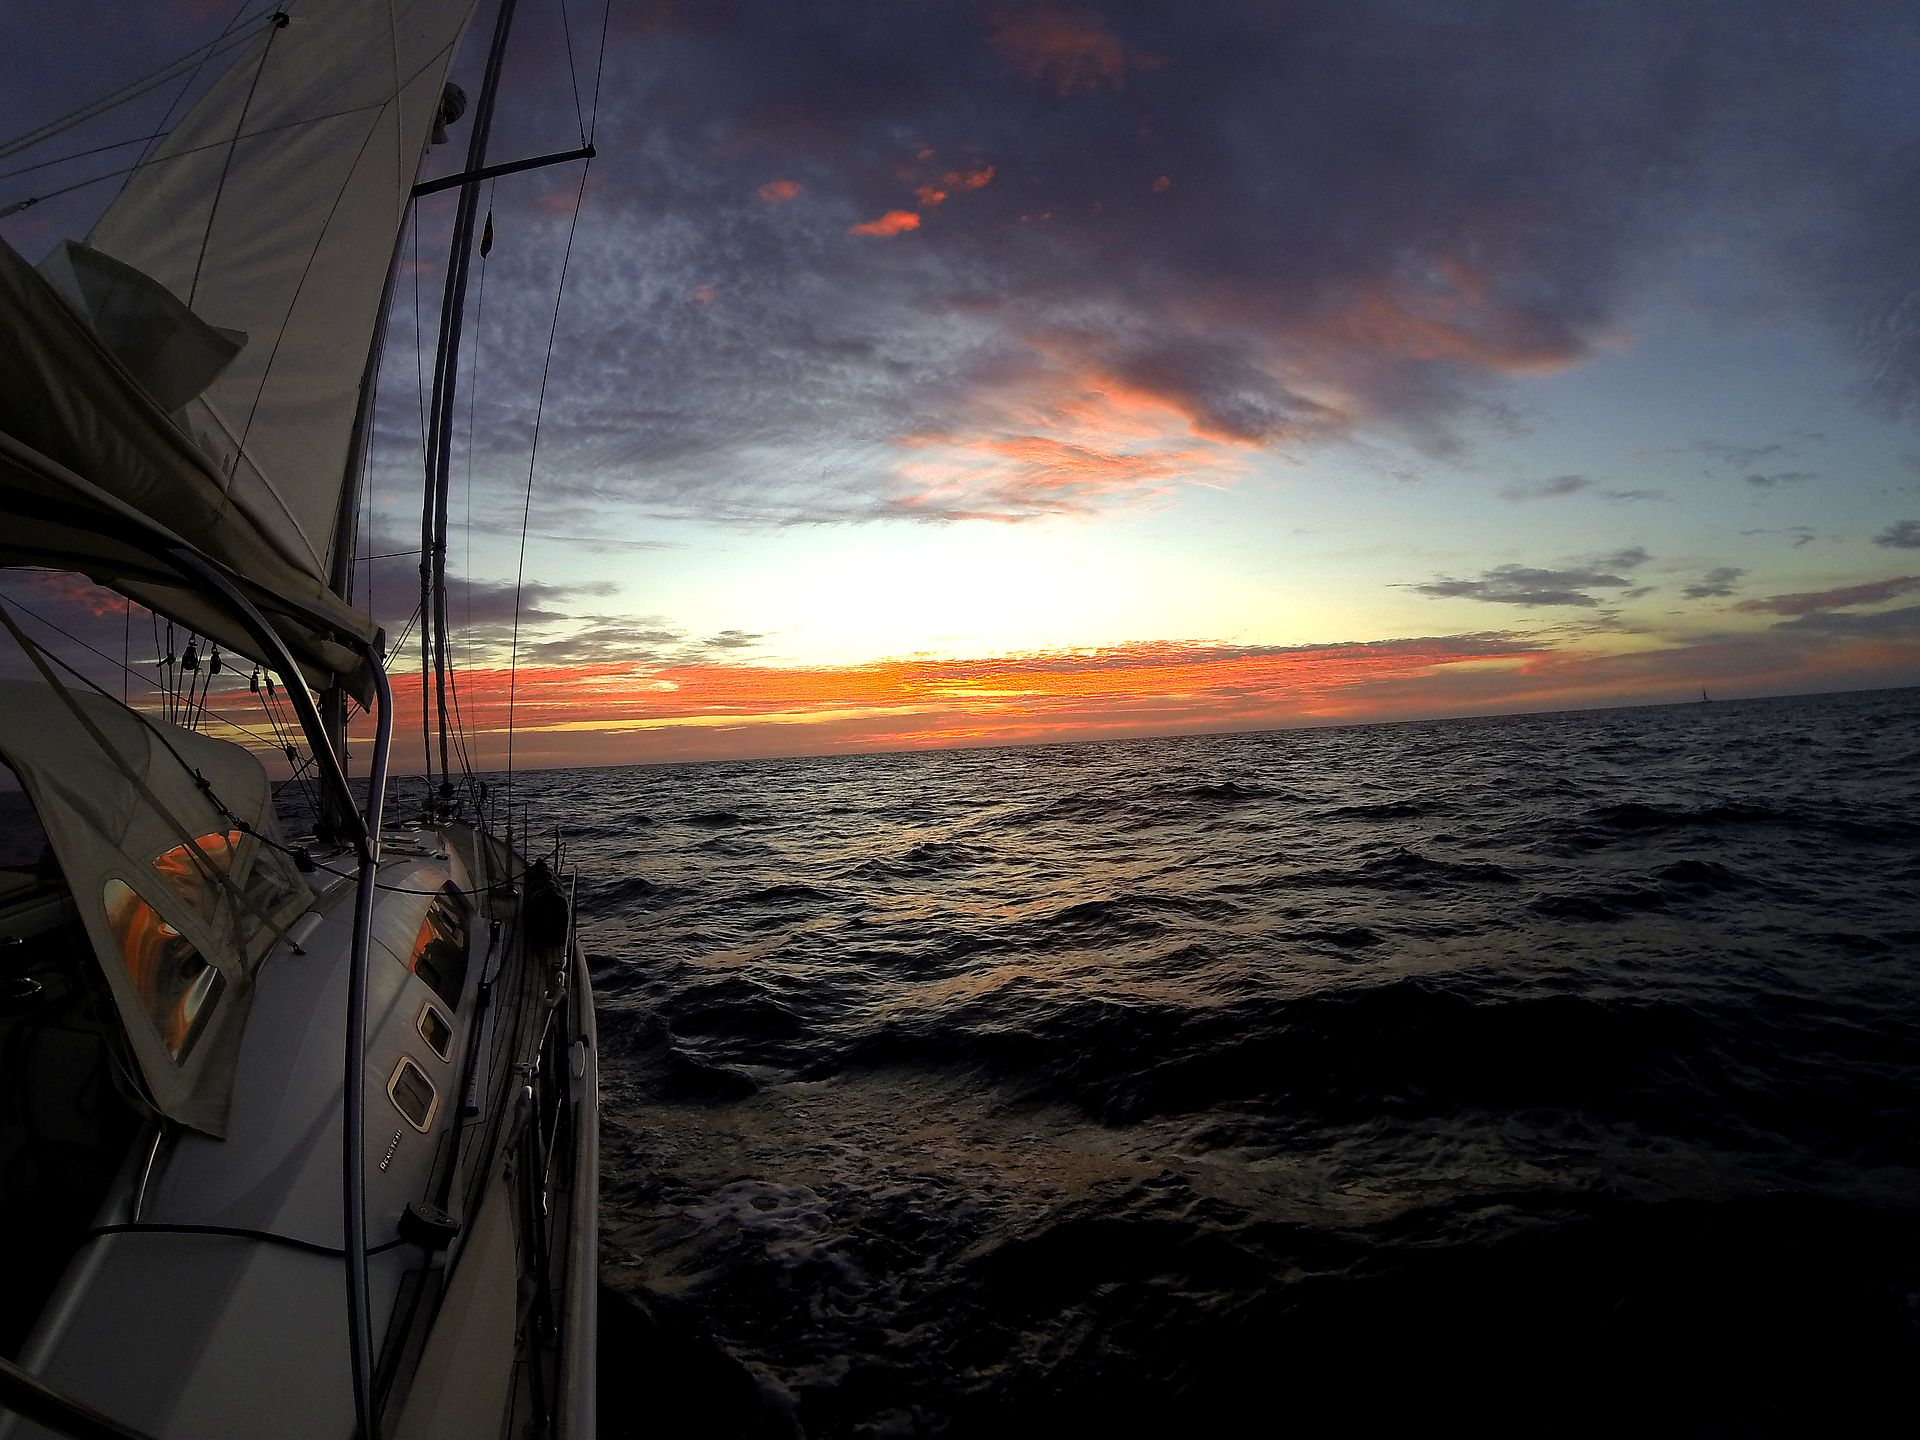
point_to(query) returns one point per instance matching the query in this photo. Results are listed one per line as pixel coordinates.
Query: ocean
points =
(1546, 1073)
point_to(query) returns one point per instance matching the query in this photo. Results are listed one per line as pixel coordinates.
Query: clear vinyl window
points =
(184, 875)
(270, 883)
(177, 988)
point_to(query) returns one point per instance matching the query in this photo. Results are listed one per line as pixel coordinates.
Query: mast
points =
(446, 367)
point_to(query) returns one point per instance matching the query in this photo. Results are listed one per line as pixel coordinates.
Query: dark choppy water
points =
(1550, 1073)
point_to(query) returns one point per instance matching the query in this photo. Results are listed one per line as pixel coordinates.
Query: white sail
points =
(272, 210)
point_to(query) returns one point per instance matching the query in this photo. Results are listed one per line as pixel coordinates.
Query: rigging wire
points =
(262, 692)
(573, 70)
(460, 742)
(280, 23)
(306, 270)
(84, 154)
(526, 511)
(291, 726)
(166, 120)
(32, 200)
(139, 715)
(298, 773)
(599, 64)
(133, 89)
(127, 670)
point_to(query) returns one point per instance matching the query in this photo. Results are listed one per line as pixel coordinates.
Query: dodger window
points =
(177, 988)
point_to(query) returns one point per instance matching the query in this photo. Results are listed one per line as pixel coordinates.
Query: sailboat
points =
(298, 1136)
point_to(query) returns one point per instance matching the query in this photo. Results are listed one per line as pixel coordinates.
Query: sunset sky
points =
(973, 372)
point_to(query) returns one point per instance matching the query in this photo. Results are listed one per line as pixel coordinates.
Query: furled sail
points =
(237, 283)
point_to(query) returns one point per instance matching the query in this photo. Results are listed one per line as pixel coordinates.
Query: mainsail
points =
(266, 219)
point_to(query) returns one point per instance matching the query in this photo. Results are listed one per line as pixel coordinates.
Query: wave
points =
(602, 893)
(1404, 1047)
(1378, 810)
(1701, 875)
(1230, 792)
(1616, 903)
(1637, 818)
(783, 895)
(1401, 868)
(968, 1096)
(928, 858)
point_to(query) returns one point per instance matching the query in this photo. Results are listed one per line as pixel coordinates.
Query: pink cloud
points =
(894, 222)
(1075, 54)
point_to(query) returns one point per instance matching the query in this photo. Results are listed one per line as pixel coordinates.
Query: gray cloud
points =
(1741, 457)
(1399, 206)
(1778, 478)
(1717, 582)
(1376, 214)
(609, 639)
(1902, 622)
(733, 640)
(1558, 486)
(1525, 585)
(643, 642)
(1810, 602)
(1901, 535)
(1798, 534)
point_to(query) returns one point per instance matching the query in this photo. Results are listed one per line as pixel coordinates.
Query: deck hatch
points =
(440, 949)
(413, 1094)
(437, 1031)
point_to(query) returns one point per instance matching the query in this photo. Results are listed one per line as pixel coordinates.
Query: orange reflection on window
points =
(177, 988)
(440, 948)
(183, 872)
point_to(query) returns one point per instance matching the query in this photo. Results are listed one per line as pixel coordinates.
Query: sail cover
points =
(138, 839)
(270, 215)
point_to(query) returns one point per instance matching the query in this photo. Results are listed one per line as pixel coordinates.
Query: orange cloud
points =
(929, 196)
(1013, 478)
(1075, 54)
(58, 588)
(607, 713)
(1453, 316)
(894, 222)
(615, 713)
(969, 179)
(778, 192)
